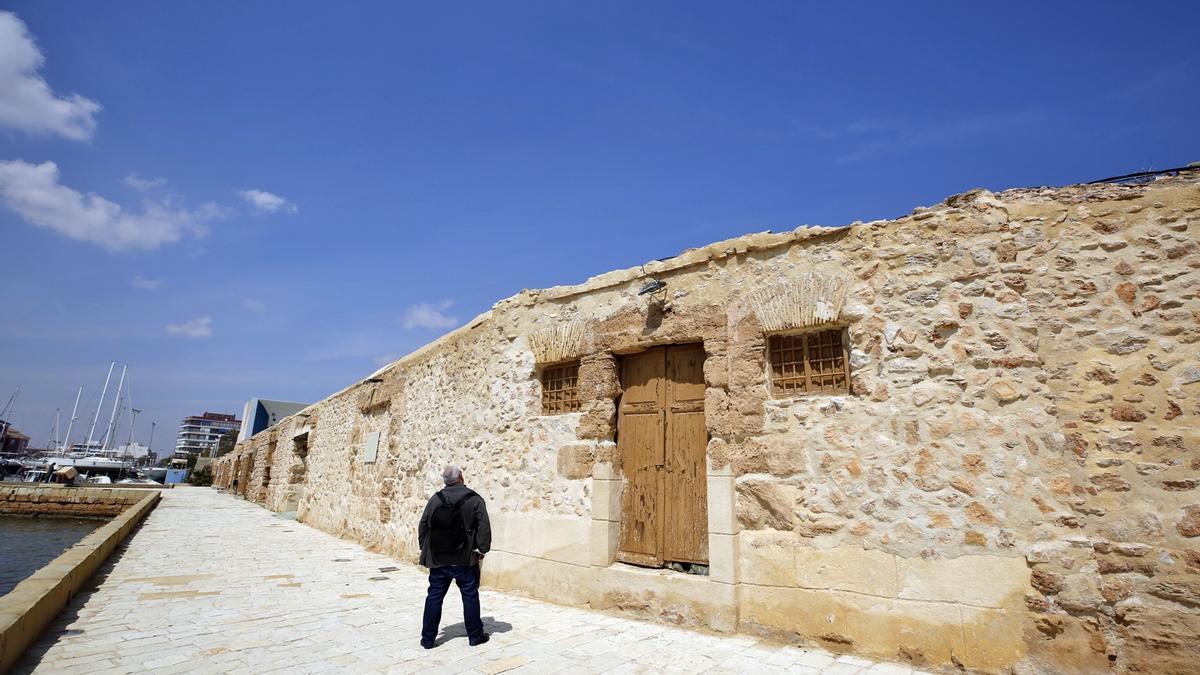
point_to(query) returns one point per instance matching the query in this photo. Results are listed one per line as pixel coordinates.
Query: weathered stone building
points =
(966, 436)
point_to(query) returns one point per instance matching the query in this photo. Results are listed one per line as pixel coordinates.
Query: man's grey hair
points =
(451, 474)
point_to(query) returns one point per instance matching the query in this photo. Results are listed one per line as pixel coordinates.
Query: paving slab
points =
(213, 584)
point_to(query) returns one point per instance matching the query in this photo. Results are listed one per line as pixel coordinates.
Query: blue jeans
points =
(467, 578)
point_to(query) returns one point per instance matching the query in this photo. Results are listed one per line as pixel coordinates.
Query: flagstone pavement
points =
(213, 584)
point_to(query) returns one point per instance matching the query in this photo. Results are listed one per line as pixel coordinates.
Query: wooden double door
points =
(662, 439)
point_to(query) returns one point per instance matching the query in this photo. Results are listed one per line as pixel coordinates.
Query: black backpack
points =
(447, 531)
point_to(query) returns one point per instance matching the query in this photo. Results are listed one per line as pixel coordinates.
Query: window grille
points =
(807, 363)
(560, 388)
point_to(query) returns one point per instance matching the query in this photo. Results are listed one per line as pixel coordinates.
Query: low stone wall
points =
(968, 608)
(32, 605)
(846, 598)
(23, 499)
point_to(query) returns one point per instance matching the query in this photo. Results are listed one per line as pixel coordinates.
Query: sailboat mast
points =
(133, 413)
(112, 420)
(100, 404)
(4, 424)
(67, 443)
(132, 421)
(11, 399)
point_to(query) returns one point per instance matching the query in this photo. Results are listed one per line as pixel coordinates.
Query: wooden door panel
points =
(685, 368)
(685, 527)
(641, 443)
(640, 502)
(685, 530)
(642, 378)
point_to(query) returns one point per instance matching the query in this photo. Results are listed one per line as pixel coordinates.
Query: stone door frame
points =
(676, 519)
(600, 386)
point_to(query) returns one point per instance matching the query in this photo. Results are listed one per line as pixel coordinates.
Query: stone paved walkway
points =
(214, 584)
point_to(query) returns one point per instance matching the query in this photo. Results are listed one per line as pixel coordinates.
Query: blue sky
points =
(270, 199)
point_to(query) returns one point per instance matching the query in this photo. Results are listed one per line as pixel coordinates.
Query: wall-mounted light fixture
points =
(651, 286)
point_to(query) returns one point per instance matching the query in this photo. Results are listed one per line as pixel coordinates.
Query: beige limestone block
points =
(510, 533)
(978, 580)
(722, 512)
(605, 471)
(724, 469)
(992, 638)
(929, 632)
(575, 461)
(768, 558)
(496, 570)
(551, 580)
(599, 377)
(606, 499)
(598, 420)
(667, 596)
(606, 535)
(847, 568)
(723, 558)
(888, 627)
(560, 538)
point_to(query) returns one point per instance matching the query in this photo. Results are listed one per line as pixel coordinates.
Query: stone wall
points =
(1013, 478)
(56, 500)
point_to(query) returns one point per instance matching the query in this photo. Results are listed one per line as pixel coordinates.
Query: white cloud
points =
(200, 327)
(253, 305)
(146, 284)
(266, 202)
(26, 101)
(144, 184)
(33, 191)
(212, 211)
(429, 315)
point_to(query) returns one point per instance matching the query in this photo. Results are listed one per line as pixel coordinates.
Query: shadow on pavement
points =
(459, 630)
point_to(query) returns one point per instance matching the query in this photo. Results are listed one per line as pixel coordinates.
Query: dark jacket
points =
(479, 530)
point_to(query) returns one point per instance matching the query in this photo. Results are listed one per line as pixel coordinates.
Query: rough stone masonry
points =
(1011, 482)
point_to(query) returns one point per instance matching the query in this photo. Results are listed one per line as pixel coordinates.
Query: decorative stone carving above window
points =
(810, 300)
(378, 395)
(558, 343)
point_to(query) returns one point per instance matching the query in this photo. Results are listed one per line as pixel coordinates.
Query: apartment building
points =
(199, 434)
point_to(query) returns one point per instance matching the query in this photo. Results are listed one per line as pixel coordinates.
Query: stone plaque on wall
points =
(370, 447)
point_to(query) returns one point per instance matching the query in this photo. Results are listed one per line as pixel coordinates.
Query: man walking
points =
(455, 535)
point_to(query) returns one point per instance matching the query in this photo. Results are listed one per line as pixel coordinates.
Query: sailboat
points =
(92, 458)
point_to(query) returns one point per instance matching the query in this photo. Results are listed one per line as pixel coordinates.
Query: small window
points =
(808, 363)
(560, 388)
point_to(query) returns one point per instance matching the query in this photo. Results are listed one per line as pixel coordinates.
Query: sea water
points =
(27, 543)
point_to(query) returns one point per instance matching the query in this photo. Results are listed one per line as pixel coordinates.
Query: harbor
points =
(98, 459)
